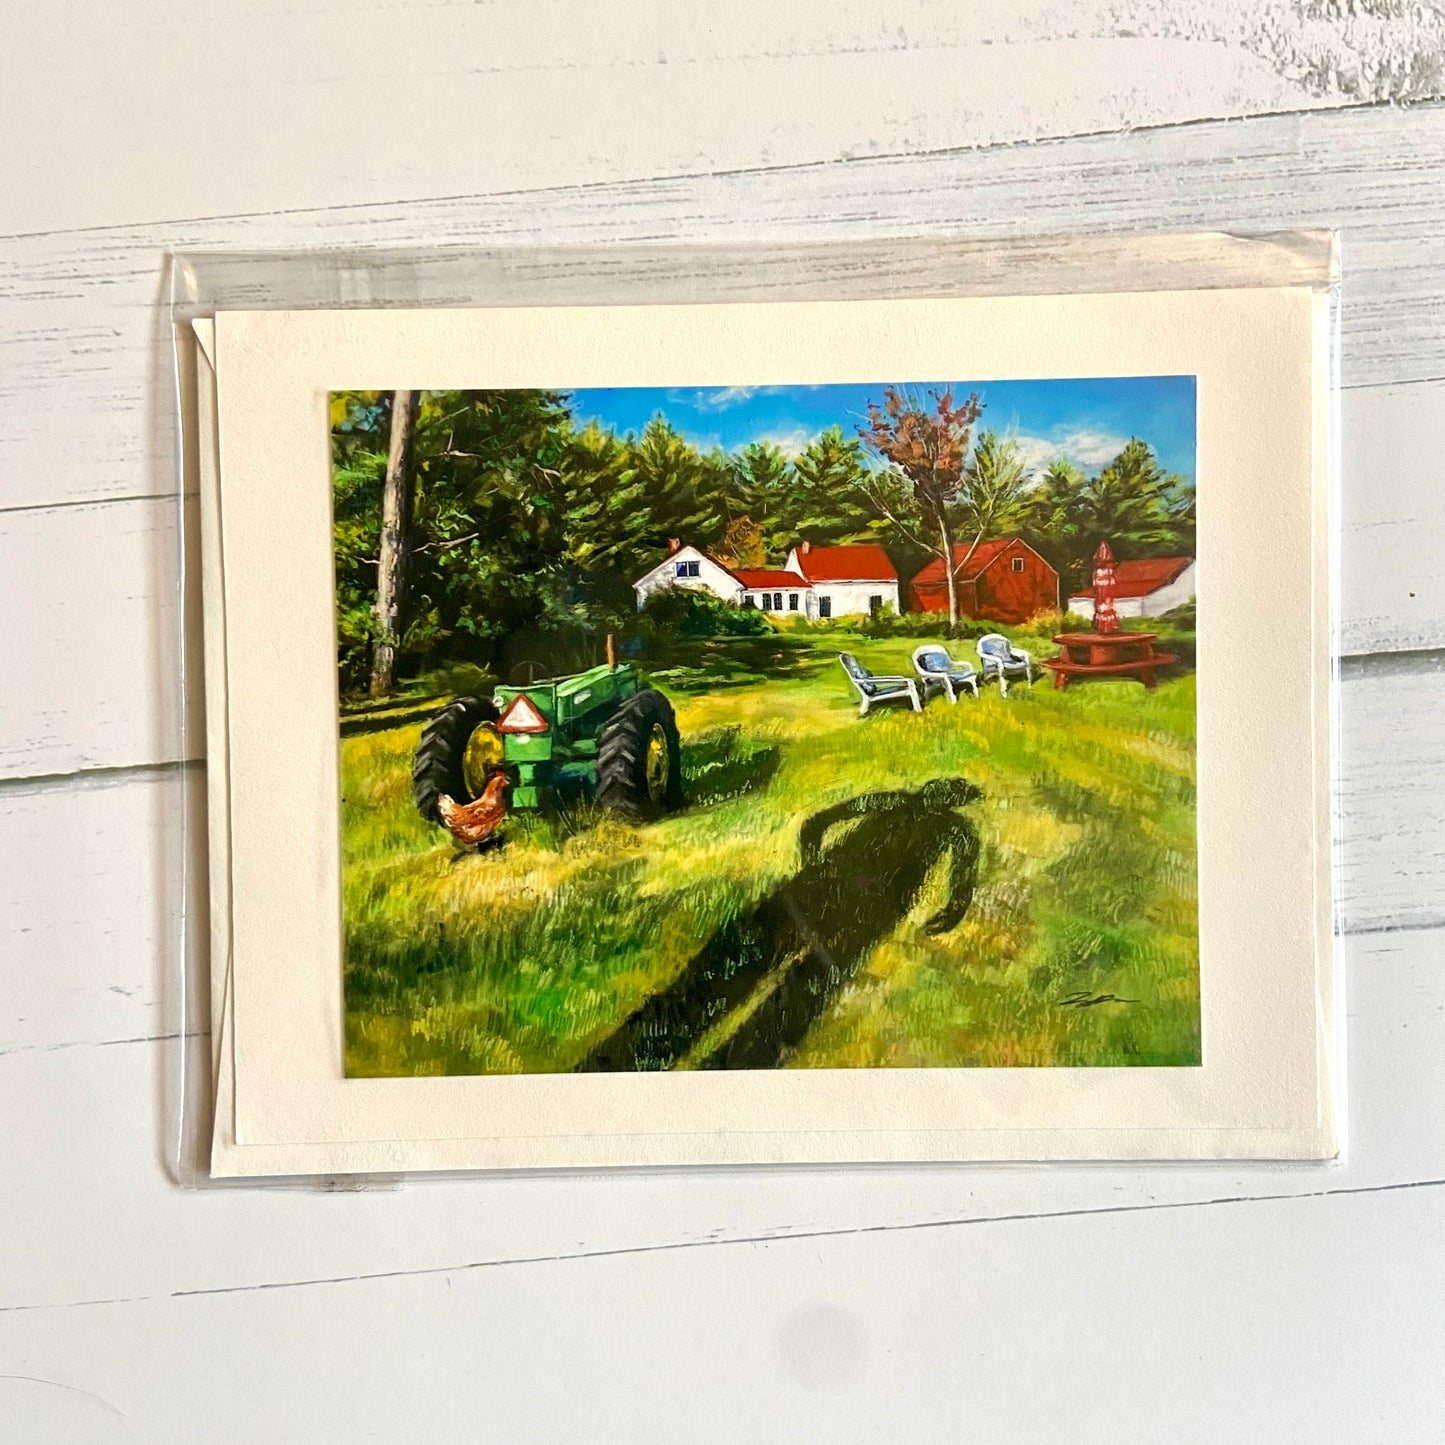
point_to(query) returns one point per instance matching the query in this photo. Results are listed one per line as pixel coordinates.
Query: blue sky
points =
(1086, 419)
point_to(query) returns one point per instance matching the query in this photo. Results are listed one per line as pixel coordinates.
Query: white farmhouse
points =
(856, 578)
(688, 567)
(816, 582)
(1145, 587)
(770, 591)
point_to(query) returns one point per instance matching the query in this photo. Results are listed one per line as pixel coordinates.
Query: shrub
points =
(1172, 637)
(461, 679)
(919, 624)
(911, 624)
(691, 612)
(1052, 622)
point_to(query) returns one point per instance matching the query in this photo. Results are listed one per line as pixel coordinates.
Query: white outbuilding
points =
(1144, 587)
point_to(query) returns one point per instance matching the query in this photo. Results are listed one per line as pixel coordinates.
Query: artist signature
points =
(1084, 999)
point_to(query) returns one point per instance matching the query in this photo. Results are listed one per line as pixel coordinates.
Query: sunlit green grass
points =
(524, 958)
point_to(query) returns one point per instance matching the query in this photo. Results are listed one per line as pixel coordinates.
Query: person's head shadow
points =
(863, 864)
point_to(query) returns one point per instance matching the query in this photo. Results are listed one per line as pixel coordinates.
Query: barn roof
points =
(762, 577)
(1144, 575)
(861, 562)
(983, 555)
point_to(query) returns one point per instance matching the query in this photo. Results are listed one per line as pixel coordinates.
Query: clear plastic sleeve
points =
(203, 285)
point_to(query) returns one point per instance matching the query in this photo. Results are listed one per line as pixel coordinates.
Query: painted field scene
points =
(845, 726)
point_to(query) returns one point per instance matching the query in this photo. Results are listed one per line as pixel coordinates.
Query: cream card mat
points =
(769, 732)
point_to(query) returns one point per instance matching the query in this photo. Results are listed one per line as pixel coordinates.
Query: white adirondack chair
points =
(999, 658)
(939, 672)
(872, 688)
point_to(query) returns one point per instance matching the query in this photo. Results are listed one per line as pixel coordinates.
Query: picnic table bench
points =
(1105, 654)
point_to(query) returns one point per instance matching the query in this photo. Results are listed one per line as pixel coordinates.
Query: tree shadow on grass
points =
(355, 724)
(707, 665)
(808, 937)
(720, 765)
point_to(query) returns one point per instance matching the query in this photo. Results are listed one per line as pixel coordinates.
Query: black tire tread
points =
(621, 757)
(437, 766)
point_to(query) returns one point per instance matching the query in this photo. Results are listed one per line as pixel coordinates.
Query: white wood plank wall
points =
(932, 1304)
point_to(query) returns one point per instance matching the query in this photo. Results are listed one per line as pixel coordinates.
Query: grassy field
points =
(1079, 945)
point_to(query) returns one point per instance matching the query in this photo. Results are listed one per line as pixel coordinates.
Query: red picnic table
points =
(1104, 654)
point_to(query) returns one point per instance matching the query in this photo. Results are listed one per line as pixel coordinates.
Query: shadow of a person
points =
(808, 936)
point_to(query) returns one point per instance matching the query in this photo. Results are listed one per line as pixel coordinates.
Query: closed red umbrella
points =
(1105, 580)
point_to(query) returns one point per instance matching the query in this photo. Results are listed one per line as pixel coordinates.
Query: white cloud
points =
(1092, 448)
(717, 399)
(789, 442)
(1086, 449)
(1035, 453)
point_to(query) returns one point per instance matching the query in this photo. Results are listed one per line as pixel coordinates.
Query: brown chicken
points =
(471, 824)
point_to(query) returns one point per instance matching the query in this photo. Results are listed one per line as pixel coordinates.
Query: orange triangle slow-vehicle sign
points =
(522, 716)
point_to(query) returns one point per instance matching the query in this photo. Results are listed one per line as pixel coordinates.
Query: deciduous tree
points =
(928, 446)
(742, 544)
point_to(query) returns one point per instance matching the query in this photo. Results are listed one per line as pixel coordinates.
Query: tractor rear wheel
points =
(458, 748)
(639, 758)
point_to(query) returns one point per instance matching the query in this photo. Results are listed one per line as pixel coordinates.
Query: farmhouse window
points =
(748, 600)
(825, 607)
(1018, 564)
(875, 605)
(777, 601)
(792, 601)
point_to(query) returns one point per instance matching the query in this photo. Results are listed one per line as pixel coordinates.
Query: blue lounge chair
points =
(938, 672)
(872, 688)
(999, 658)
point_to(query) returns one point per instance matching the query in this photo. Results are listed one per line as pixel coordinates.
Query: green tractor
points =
(600, 732)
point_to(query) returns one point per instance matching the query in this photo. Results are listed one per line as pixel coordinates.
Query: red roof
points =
(1145, 575)
(865, 562)
(983, 554)
(755, 577)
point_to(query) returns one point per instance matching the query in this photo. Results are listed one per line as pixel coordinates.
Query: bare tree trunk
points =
(968, 556)
(395, 543)
(950, 572)
(962, 567)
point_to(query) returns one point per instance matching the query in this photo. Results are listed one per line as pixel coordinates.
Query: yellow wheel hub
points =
(482, 758)
(659, 759)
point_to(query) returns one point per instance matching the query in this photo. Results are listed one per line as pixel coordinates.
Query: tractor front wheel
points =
(639, 758)
(459, 748)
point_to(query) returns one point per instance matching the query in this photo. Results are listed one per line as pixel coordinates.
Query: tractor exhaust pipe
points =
(611, 651)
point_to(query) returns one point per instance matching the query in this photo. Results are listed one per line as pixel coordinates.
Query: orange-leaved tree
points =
(928, 445)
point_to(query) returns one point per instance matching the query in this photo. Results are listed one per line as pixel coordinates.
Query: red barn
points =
(1004, 581)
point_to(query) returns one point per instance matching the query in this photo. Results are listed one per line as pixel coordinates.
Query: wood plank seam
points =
(725, 173)
(780, 1236)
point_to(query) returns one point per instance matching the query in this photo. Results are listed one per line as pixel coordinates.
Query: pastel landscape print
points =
(845, 726)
